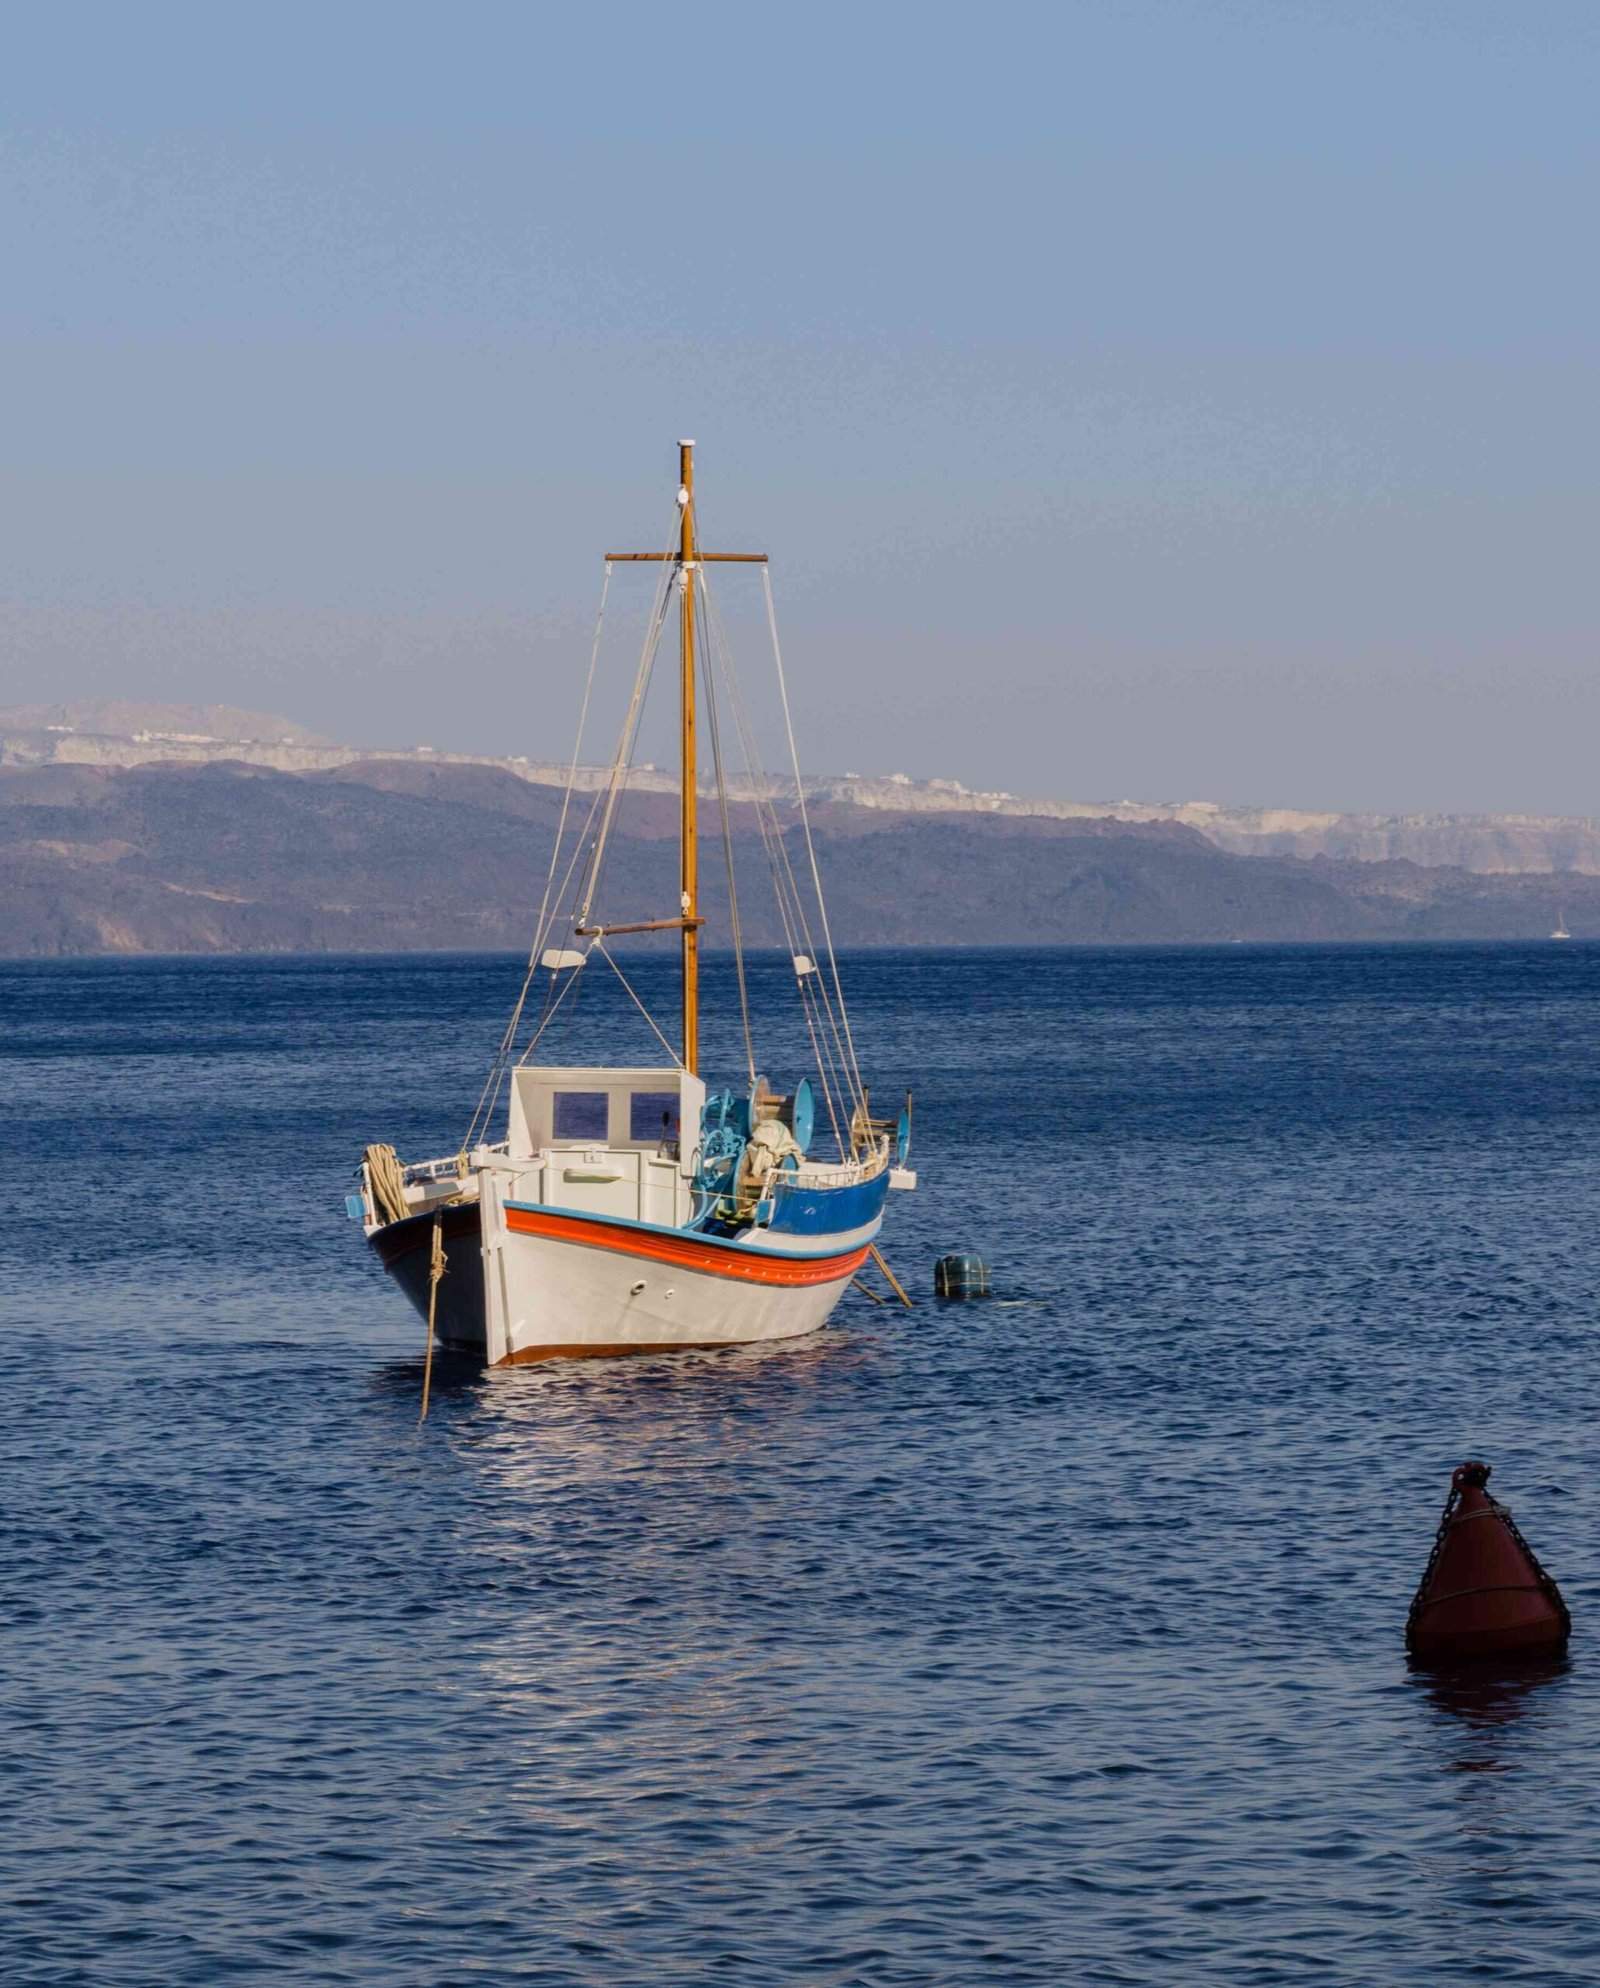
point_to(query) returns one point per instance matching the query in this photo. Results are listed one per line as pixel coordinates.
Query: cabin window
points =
(582, 1115)
(652, 1117)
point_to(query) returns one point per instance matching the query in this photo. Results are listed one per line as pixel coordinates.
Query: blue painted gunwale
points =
(827, 1211)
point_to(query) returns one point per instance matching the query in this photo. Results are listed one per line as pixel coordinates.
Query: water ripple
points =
(1055, 1640)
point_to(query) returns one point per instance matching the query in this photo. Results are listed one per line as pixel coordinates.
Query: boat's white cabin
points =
(602, 1141)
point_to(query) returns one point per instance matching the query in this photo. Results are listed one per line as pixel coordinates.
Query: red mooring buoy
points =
(1483, 1592)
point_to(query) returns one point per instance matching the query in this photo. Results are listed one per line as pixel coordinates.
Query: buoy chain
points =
(1452, 1499)
(1448, 1520)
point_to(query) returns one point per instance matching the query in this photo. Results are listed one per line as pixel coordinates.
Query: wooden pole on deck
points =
(688, 844)
(687, 558)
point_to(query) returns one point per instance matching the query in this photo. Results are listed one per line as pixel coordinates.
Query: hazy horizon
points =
(1139, 401)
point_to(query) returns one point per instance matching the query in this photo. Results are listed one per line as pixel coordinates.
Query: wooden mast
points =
(688, 558)
(688, 847)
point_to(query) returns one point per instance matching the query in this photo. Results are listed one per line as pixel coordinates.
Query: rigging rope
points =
(491, 1089)
(643, 1010)
(715, 729)
(822, 1005)
(805, 822)
(622, 765)
(791, 911)
(552, 1007)
(823, 1027)
(555, 895)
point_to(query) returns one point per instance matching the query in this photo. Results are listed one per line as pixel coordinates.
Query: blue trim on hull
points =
(840, 1220)
(826, 1211)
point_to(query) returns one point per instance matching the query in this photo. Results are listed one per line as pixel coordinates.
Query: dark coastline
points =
(230, 859)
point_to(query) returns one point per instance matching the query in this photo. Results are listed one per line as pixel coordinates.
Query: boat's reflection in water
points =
(456, 1377)
(631, 1527)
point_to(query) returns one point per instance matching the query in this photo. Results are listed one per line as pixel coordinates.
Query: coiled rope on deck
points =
(388, 1180)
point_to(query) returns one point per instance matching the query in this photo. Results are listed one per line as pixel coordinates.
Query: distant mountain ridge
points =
(127, 733)
(394, 854)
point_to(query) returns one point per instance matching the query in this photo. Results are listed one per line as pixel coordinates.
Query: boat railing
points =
(421, 1173)
(425, 1184)
(849, 1173)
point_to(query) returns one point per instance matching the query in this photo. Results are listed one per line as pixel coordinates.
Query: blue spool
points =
(962, 1276)
(802, 1113)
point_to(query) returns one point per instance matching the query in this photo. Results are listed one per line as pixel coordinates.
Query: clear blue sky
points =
(1169, 398)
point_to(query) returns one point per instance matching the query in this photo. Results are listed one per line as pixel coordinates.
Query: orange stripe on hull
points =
(687, 1253)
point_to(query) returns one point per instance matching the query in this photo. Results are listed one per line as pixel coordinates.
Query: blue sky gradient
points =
(1171, 400)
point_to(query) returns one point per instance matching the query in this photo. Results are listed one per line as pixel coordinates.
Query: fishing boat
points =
(633, 1209)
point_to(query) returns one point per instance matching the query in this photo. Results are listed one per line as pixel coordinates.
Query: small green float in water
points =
(962, 1276)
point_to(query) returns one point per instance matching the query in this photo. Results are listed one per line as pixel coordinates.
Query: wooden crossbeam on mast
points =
(686, 558)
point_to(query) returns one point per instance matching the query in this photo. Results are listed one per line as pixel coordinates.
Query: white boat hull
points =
(564, 1285)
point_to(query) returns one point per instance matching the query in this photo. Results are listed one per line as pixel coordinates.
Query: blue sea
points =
(1055, 1639)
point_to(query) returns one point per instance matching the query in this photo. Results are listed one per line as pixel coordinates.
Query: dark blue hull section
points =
(827, 1211)
(406, 1251)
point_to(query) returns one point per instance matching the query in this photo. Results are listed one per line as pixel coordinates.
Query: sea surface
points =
(1050, 1640)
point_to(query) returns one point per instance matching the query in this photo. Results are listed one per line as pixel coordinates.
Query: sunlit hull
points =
(562, 1285)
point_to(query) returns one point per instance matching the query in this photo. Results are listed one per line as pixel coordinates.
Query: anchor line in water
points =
(436, 1270)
